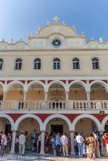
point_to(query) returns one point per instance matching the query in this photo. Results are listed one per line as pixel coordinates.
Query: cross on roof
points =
(55, 18)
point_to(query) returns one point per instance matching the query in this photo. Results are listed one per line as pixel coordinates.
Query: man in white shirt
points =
(80, 141)
(3, 143)
(64, 142)
(21, 144)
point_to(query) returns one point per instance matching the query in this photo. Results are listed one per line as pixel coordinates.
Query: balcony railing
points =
(53, 105)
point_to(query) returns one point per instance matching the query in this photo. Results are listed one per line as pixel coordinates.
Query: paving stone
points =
(37, 157)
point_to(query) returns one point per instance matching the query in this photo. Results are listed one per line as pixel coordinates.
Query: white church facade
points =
(55, 82)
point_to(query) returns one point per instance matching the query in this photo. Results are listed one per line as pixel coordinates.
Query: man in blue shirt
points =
(57, 143)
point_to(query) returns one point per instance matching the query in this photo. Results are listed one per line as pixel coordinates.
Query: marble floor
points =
(37, 157)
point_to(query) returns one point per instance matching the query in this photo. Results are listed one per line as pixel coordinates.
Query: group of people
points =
(21, 142)
(91, 145)
(5, 143)
(61, 144)
(57, 143)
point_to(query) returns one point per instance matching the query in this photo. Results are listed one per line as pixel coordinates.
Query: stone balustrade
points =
(53, 105)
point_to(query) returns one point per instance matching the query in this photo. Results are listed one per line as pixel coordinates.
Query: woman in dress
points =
(26, 135)
(47, 143)
(106, 144)
(92, 145)
(9, 142)
(87, 145)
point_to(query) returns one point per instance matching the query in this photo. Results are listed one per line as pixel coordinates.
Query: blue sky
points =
(19, 17)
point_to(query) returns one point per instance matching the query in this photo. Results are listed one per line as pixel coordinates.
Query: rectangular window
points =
(18, 66)
(1, 66)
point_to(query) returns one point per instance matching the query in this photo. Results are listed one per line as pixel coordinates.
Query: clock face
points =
(56, 43)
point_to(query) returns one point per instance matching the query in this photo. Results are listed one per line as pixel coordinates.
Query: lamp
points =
(93, 91)
(39, 90)
(21, 92)
(75, 92)
(31, 121)
(81, 121)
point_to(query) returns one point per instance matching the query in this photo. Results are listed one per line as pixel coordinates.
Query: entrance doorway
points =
(106, 128)
(7, 129)
(56, 129)
(57, 125)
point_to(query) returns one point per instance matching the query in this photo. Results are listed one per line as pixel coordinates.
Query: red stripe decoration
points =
(2, 81)
(9, 81)
(49, 81)
(29, 81)
(90, 81)
(22, 81)
(104, 81)
(70, 81)
(84, 81)
(63, 81)
(43, 81)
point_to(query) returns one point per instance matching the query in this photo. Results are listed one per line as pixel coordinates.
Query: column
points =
(25, 96)
(88, 96)
(42, 151)
(4, 96)
(72, 142)
(13, 141)
(88, 99)
(4, 99)
(67, 96)
(46, 96)
(101, 132)
(46, 90)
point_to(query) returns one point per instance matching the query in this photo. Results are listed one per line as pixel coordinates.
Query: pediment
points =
(20, 45)
(93, 44)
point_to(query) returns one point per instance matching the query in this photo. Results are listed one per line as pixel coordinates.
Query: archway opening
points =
(36, 92)
(106, 126)
(28, 125)
(98, 92)
(56, 125)
(15, 92)
(5, 125)
(56, 92)
(86, 126)
(77, 92)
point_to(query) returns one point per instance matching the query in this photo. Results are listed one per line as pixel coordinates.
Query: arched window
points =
(56, 63)
(1, 64)
(76, 63)
(37, 63)
(95, 63)
(18, 64)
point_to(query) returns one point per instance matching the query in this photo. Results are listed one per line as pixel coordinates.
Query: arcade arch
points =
(15, 91)
(6, 123)
(105, 124)
(77, 91)
(55, 119)
(28, 123)
(56, 92)
(82, 119)
(98, 91)
(35, 91)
